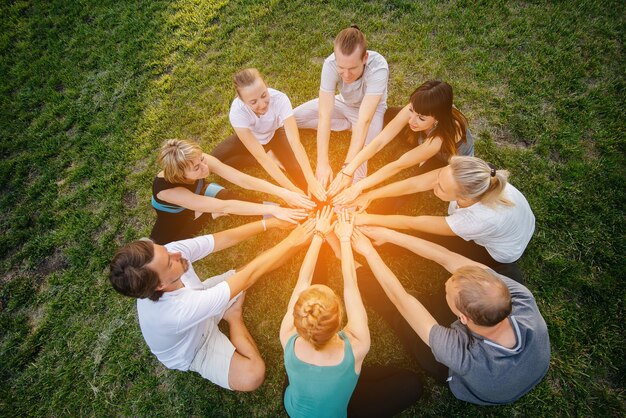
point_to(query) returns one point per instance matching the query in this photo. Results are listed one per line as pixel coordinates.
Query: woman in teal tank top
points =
(323, 363)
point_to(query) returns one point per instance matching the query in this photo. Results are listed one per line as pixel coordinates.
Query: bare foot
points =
(235, 311)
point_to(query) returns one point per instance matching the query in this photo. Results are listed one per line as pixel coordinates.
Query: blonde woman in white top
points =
(264, 124)
(489, 220)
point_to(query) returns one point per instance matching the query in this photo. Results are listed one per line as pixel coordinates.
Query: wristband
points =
(264, 225)
(347, 175)
(320, 234)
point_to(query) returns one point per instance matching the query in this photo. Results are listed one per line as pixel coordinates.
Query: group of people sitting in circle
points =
(482, 333)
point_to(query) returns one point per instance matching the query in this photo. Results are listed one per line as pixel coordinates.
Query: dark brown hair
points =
(434, 98)
(129, 274)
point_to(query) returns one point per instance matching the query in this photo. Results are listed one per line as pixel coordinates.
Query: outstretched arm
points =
(409, 307)
(355, 310)
(323, 225)
(293, 136)
(270, 259)
(246, 181)
(323, 172)
(257, 151)
(392, 129)
(228, 238)
(189, 200)
(359, 132)
(449, 260)
(411, 185)
(430, 224)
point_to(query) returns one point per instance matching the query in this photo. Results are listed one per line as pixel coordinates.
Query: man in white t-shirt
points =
(361, 77)
(179, 314)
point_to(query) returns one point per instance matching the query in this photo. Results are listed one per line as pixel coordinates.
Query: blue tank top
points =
(319, 391)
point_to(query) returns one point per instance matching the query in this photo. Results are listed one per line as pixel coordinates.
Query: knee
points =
(255, 376)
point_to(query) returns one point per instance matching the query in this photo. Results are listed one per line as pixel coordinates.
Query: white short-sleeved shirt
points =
(504, 231)
(175, 325)
(372, 82)
(264, 126)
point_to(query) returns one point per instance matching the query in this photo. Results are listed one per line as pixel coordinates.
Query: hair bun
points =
(355, 27)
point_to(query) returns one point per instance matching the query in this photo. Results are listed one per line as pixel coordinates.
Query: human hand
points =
(346, 197)
(288, 214)
(361, 243)
(362, 202)
(297, 200)
(339, 183)
(316, 189)
(324, 174)
(323, 220)
(302, 233)
(378, 234)
(344, 226)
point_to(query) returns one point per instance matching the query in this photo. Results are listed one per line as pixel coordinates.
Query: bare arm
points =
(323, 172)
(199, 203)
(355, 310)
(344, 179)
(293, 136)
(359, 132)
(409, 307)
(449, 260)
(305, 276)
(228, 238)
(411, 185)
(257, 151)
(408, 159)
(430, 224)
(270, 259)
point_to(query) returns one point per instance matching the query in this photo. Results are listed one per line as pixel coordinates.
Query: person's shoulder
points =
(376, 58)
(237, 105)
(277, 94)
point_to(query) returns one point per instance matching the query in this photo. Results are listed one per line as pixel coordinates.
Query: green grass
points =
(90, 89)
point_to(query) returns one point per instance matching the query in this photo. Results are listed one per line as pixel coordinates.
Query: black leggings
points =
(232, 152)
(384, 391)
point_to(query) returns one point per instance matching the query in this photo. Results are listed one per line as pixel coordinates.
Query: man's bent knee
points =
(248, 375)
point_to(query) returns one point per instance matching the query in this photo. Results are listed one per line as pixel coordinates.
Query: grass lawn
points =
(90, 89)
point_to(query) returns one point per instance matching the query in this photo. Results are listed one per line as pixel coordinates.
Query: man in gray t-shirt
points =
(361, 78)
(497, 350)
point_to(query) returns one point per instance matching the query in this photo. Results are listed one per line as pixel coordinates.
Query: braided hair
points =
(317, 315)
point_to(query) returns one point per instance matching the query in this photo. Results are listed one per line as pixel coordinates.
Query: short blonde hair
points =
(317, 315)
(481, 296)
(349, 39)
(175, 157)
(245, 78)
(478, 180)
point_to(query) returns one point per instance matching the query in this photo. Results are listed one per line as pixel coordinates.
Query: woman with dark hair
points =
(441, 131)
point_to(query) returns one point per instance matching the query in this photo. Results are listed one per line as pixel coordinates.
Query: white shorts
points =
(213, 358)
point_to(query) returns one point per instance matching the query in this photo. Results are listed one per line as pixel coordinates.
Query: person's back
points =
(504, 231)
(486, 373)
(316, 391)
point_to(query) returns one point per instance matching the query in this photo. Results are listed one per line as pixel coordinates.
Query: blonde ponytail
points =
(480, 181)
